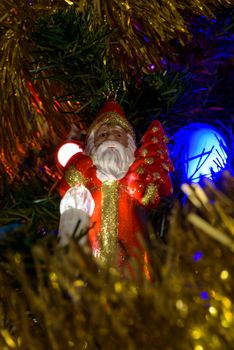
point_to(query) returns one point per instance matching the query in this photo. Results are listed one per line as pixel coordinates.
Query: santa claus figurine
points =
(107, 188)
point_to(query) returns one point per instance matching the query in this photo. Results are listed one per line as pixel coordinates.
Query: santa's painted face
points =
(112, 152)
(110, 133)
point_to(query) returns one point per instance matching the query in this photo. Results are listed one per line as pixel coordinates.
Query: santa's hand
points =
(73, 223)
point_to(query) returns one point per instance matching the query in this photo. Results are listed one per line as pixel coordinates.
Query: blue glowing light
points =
(201, 151)
(146, 39)
(197, 256)
(204, 295)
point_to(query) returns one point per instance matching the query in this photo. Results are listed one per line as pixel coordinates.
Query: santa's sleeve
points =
(74, 173)
(73, 186)
(149, 178)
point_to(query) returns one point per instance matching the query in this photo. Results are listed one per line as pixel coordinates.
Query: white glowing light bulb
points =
(66, 151)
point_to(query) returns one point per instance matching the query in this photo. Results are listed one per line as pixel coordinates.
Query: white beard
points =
(112, 160)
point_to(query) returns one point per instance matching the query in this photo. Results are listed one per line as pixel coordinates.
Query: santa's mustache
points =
(112, 158)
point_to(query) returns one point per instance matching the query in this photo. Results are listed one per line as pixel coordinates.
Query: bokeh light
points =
(200, 150)
(66, 151)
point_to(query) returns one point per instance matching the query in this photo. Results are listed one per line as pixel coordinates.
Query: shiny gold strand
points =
(24, 121)
(159, 23)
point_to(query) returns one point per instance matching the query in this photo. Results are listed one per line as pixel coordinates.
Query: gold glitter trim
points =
(166, 139)
(140, 170)
(144, 152)
(74, 176)
(109, 223)
(154, 128)
(165, 166)
(156, 176)
(112, 118)
(154, 139)
(149, 160)
(149, 194)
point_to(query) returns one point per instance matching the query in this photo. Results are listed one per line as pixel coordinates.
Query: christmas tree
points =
(165, 60)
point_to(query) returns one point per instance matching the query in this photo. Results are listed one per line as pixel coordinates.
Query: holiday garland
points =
(60, 298)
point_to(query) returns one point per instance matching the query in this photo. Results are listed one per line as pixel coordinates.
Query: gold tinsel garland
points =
(144, 29)
(72, 302)
(26, 121)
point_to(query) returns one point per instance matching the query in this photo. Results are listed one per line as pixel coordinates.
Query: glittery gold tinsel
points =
(145, 28)
(25, 119)
(64, 299)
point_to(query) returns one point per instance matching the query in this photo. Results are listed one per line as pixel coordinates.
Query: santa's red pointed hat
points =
(111, 114)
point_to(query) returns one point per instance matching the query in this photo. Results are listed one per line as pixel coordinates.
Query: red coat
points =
(119, 222)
